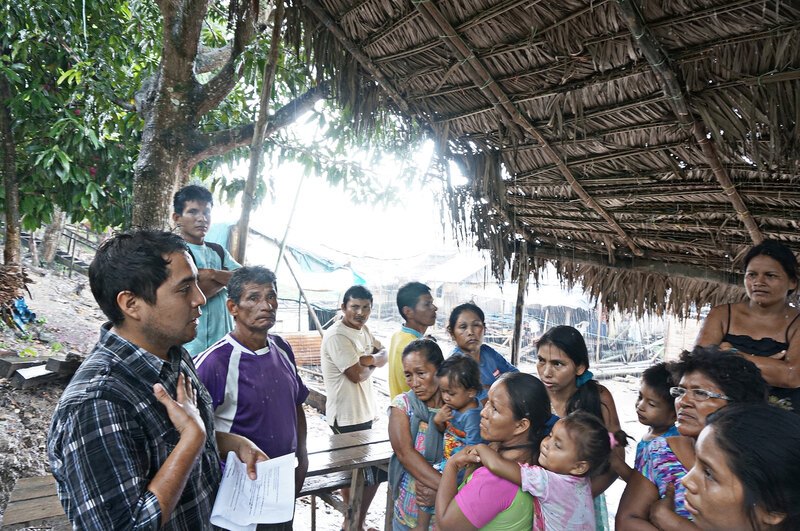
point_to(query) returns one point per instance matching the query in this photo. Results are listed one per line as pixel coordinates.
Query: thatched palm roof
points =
(643, 148)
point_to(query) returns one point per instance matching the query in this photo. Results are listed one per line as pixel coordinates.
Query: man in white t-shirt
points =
(350, 353)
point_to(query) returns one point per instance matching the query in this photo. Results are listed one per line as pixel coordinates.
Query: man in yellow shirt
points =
(416, 307)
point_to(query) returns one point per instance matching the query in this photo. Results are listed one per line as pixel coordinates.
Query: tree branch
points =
(218, 143)
(183, 20)
(210, 59)
(217, 89)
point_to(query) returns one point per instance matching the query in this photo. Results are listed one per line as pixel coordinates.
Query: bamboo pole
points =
(257, 144)
(289, 223)
(519, 310)
(311, 311)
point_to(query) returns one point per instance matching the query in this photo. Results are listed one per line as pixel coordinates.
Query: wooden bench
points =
(34, 502)
(324, 487)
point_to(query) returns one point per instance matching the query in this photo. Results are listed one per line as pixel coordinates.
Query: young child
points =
(655, 408)
(578, 447)
(460, 417)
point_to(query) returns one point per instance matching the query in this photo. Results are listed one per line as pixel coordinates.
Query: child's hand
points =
(779, 356)
(663, 510)
(484, 453)
(443, 416)
(463, 459)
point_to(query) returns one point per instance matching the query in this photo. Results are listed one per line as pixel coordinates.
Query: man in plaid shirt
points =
(132, 443)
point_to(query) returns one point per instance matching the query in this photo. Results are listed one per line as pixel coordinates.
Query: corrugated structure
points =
(640, 146)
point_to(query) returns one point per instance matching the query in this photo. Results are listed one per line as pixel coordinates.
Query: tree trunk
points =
(52, 236)
(11, 252)
(160, 168)
(257, 146)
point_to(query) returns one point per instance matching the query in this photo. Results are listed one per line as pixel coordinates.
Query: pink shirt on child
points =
(561, 501)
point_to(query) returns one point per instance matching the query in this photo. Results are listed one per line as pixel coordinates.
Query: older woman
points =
(563, 365)
(514, 422)
(765, 328)
(466, 326)
(416, 441)
(746, 472)
(709, 379)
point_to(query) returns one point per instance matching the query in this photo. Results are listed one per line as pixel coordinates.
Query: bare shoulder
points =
(609, 409)
(683, 448)
(606, 398)
(720, 312)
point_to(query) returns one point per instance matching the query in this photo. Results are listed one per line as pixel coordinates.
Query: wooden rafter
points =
(527, 43)
(484, 80)
(483, 17)
(678, 101)
(660, 267)
(694, 53)
(598, 159)
(777, 77)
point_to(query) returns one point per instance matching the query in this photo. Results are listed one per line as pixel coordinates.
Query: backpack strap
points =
(217, 248)
(220, 252)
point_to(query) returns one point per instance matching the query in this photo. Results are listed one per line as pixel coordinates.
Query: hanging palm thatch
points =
(640, 146)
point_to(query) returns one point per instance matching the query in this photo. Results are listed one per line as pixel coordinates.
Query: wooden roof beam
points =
(598, 159)
(692, 173)
(694, 53)
(483, 79)
(527, 43)
(480, 17)
(363, 59)
(778, 77)
(641, 265)
(659, 61)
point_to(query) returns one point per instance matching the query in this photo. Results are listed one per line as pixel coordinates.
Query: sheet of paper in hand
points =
(269, 499)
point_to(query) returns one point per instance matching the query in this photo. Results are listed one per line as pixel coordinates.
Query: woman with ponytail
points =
(563, 366)
(514, 422)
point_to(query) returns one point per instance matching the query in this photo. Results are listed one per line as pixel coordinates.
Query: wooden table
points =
(351, 453)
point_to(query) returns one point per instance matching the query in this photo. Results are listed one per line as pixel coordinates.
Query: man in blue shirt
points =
(192, 216)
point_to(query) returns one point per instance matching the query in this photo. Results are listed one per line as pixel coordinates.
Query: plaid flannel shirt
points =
(109, 437)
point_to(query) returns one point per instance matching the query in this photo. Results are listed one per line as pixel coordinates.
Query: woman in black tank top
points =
(766, 327)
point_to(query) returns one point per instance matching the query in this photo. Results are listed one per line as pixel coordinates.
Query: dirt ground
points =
(69, 319)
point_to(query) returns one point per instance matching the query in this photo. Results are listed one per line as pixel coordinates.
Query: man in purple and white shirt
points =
(252, 376)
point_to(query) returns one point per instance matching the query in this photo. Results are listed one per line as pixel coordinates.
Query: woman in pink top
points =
(514, 422)
(577, 448)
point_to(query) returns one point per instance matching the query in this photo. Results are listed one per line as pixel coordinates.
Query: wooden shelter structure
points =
(641, 146)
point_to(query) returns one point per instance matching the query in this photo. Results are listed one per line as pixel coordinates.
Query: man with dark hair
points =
(349, 354)
(252, 376)
(124, 452)
(192, 216)
(415, 304)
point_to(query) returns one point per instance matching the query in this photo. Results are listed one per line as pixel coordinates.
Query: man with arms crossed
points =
(192, 216)
(124, 452)
(252, 376)
(349, 355)
(415, 303)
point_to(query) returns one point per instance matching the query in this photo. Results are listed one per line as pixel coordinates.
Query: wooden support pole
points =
(519, 310)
